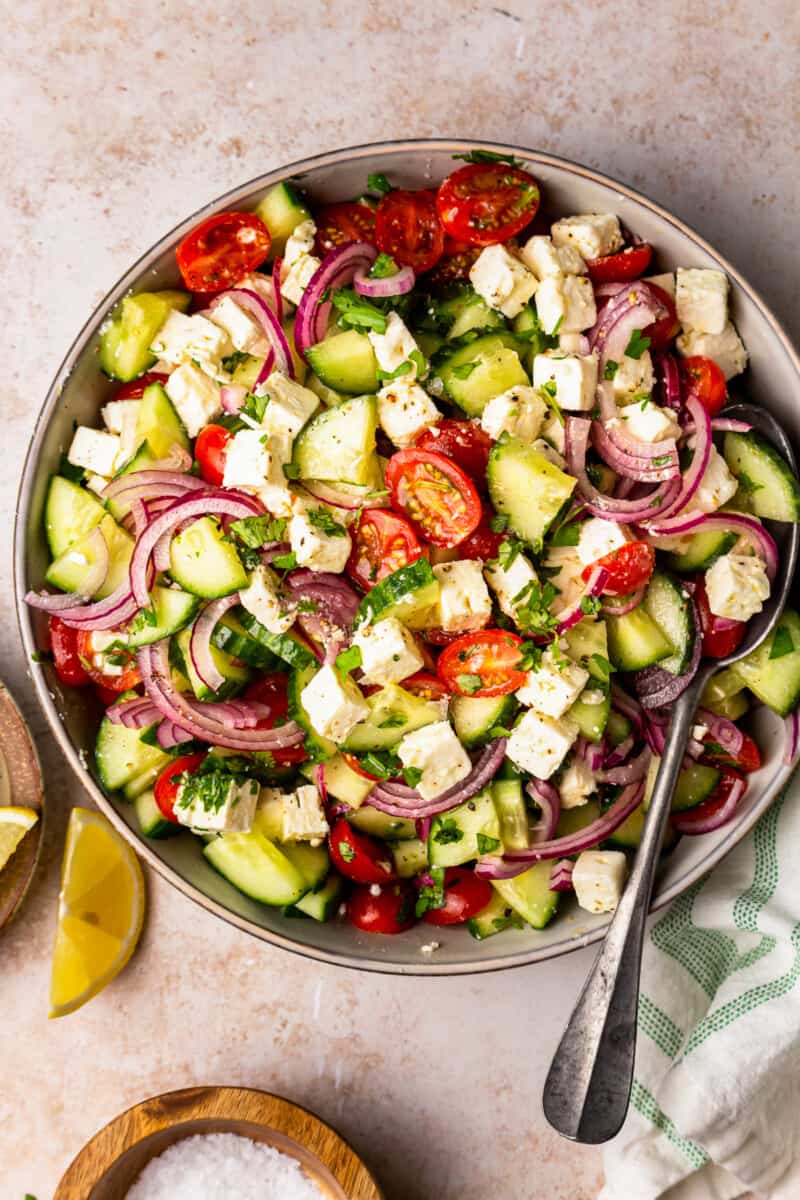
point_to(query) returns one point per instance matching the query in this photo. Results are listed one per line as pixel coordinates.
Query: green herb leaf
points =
(383, 764)
(431, 895)
(590, 605)
(469, 684)
(530, 656)
(447, 832)
(412, 776)
(377, 182)
(540, 341)
(464, 370)
(486, 844)
(346, 851)
(602, 666)
(637, 345)
(348, 660)
(611, 369)
(255, 531)
(781, 643)
(498, 523)
(387, 376)
(285, 562)
(488, 156)
(237, 359)
(254, 407)
(384, 265)
(532, 607)
(357, 312)
(322, 520)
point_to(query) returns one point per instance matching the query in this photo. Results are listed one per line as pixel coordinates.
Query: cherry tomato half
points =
(66, 659)
(272, 690)
(129, 677)
(464, 442)
(721, 636)
(455, 264)
(382, 543)
(662, 332)
(165, 788)
(687, 821)
(465, 895)
(391, 911)
(483, 203)
(627, 264)
(483, 542)
(221, 249)
(338, 224)
(485, 663)
(747, 759)
(358, 856)
(210, 450)
(136, 388)
(426, 685)
(434, 494)
(628, 568)
(407, 227)
(705, 380)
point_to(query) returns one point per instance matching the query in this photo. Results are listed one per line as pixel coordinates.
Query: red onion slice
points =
(657, 688)
(633, 466)
(577, 432)
(617, 325)
(155, 482)
(384, 795)
(337, 268)
(561, 876)
(169, 734)
(697, 468)
(630, 772)
(277, 268)
(618, 606)
(516, 862)
(548, 800)
(791, 746)
(745, 526)
(598, 578)
(723, 731)
(667, 367)
(612, 426)
(232, 396)
(200, 641)
(134, 714)
(618, 754)
(391, 285)
(696, 821)
(280, 355)
(97, 561)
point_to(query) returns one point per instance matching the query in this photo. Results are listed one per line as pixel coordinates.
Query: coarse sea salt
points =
(218, 1166)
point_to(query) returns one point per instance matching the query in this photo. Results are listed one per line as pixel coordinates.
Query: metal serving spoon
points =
(588, 1087)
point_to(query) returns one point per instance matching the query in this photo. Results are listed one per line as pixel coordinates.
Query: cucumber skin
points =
(474, 718)
(667, 592)
(542, 488)
(386, 598)
(633, 628)
(60, 493)
(752, 455)
(774, 681)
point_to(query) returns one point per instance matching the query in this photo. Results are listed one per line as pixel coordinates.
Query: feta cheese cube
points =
(553, 432)
(121, 417)
(541, 256)
(302, 816)
(296, 277)
(388, 652)
(592, 234)
(502, 280)
(438, 754)
(576, 784)
(194, 396)
(575, 377)
(633, 377)
(539, 745)
(726, 348)
(395, 346)
(246, 460)
(205, 802)
(275, 494)
(717, 486)
(553, 686)
(333, 703)
(598, 538)
(464, 601)
(94, 450)
(183, 339)
(598, 878)
(737, 586)
(300, 241)
(552, 456)
(568, 579)
(701, 299)
(573, 343)
(405, 409)
(649, 423)
(666, 282)
(519, 411)
(290, 406)
(316, 546)
(262, 598)
(509, 583)
(243, 331)
(566, 304)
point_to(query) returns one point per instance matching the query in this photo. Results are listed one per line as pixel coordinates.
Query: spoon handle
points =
(588, 1086)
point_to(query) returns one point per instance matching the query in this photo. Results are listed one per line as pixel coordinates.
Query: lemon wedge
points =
(14, 824)
(100, 911)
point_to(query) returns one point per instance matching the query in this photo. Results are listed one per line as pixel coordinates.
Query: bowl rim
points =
(282, 173)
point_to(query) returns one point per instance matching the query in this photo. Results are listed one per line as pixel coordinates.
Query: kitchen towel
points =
(715, 1110)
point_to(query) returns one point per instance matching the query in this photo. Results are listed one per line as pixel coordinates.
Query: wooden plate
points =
(109, 1164)
(20, 784)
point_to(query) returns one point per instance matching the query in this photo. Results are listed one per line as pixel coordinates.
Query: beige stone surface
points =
(117, 119)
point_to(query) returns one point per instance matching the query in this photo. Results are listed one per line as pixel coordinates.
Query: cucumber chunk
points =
(257, 867)
(635, 641)
(69, 570)
(470, 830)
(281, 209)
(152, 821)
(158, 424)
(339, 443)
(529, 894)
(617, 728)
(380, 824)
(494, 918)
(696, 782)
(510, 804)
(464, 311)
(410, 857)
(526, 488)
(474, 717)
(394, 712)
(140, 783)
(142, 460)
(235, 674)
(771, 487)
(587, 644)
(572, 820)
(669, 605)
(126, 336)
(345, 362)
(204, 563)
(171, 610)
(324, 904)
(411, 594)
(776, 681)
(345, 784)
(591, 719)
(484, 368)
(70, 512)
(121, 756)
(286, 646)
(313, 862)
(628, 835)
(703, 549)
(231, 636)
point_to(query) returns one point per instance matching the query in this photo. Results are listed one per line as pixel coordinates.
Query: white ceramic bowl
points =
(76, 394)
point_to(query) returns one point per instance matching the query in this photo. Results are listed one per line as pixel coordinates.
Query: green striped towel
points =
(715, 1109)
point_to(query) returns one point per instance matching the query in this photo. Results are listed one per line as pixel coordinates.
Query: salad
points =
(406, 520)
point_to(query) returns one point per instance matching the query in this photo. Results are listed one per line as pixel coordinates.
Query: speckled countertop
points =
(116, 121)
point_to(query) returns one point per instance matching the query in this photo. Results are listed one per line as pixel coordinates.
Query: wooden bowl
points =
(21, 785)
(110, 1163)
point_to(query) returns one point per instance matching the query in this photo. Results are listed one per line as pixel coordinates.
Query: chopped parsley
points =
(348, 660)
(590, 605)
(637, 345)
(469, 684)
(383, 267)
(487, 156)
(602, 667)
(377, 182)
(322, 520)
(291, 470)
(498, 523)
(346, 851)
(530, 656)
(532, 607)
(394, 720)
(464, 370)
(254, 407)
(508, 550)
(256, 531)
(610, 369)
(548, 392)
(211, 789)
(447, 832)
(509, 920)
(383, 764)
(237, 359)
(431, 895)
(412, 776)
(285, 562)
(781, 643)
(357, 312)
(306, 606)
(540, 341)
(486, 844)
